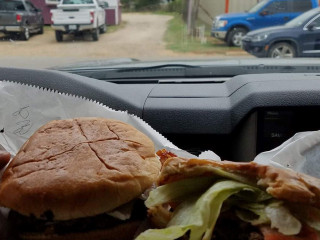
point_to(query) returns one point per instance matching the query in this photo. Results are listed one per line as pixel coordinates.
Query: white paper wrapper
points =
(26, 108)
(300, 153)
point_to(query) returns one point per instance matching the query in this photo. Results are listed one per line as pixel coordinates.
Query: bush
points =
(176, 6)
(141, 5)
(147, 4)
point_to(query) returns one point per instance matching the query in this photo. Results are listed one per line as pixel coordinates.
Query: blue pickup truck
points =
(232, 27)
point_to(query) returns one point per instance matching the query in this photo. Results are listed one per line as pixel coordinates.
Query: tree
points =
(145, 4)
(193, 9)
(140, 4)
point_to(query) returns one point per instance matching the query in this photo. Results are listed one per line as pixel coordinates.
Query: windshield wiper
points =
(183, 66)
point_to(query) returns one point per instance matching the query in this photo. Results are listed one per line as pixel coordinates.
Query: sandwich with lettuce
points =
(221, 200)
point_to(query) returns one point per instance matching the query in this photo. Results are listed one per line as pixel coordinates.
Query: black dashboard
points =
(237, 117)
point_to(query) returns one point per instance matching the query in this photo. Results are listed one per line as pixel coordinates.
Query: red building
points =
(113, 12)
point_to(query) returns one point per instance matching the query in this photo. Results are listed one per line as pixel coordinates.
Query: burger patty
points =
(230, 227)
(103, 221)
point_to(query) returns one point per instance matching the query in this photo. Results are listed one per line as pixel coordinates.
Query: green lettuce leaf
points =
(253, 213)
(180, 190)
(282, 219)
(197, 214)
(274, 213)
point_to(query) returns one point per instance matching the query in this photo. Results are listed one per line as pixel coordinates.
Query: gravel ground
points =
(141, 38)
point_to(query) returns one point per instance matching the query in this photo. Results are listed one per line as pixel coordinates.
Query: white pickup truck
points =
(73, 16)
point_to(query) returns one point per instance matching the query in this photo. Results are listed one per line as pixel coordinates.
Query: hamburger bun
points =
(79, 168)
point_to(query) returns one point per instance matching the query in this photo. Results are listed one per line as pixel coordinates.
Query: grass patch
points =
(47, 28)
(114, 28)
(177, 39)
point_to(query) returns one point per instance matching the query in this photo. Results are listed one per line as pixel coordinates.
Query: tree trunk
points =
(193, 16)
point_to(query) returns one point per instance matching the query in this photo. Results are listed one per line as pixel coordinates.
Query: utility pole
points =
(189, 19)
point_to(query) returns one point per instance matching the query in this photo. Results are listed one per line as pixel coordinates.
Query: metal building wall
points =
(240, 5)
(211, 8)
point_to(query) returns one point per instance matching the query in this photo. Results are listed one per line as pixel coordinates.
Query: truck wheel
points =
(282, 50)
(25, 35)
(235, 36)
(41, 28)
(103, 29)
(95, 34)
(59, 36)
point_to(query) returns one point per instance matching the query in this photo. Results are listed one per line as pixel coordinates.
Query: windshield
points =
(11, 6)
(258, 6)
(64, 33)
(298, 21)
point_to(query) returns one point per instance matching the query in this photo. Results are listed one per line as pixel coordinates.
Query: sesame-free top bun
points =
(284, 184)
(78, 168)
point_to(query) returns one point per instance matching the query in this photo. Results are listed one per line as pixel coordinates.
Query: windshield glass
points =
(258, 6)
(67, 32)
(11, 6)
(298, 21)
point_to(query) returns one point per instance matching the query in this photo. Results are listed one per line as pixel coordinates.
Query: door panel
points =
(311, 39)
(32, 15)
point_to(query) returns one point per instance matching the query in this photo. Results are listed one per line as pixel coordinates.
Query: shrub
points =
(141, 5)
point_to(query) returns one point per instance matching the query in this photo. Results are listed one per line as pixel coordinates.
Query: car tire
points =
(234, 37)
(59, 36)
(103, 29)
(282, 50)
(41, 28)
(25, 35)
(95, 34)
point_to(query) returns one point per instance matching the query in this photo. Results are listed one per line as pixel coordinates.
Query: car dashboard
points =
(236, 117)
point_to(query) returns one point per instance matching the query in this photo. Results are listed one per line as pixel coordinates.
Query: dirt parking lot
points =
(140, 38)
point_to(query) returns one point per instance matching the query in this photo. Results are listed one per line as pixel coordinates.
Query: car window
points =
(316, 23)
(277, 7)
(258, 6)
(298, 21)
(77, 1)
(30, 7)
(146, 30)
(299, 5)
(11, 6)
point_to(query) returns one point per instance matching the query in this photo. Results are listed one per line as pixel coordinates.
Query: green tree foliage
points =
(177, 6)
(147, 4)
(141, 5)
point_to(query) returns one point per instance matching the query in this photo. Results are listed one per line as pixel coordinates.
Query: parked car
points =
(74, 16)
(232, 27)
(297, 38)
(20, 17)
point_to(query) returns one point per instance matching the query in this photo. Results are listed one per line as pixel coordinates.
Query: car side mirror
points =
(264, 13)
(311, 26)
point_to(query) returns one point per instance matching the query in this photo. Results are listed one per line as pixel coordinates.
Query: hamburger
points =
(222, 200)
(79, 179)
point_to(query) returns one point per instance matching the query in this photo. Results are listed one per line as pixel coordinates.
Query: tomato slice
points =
(306, 233)
(164, 155)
